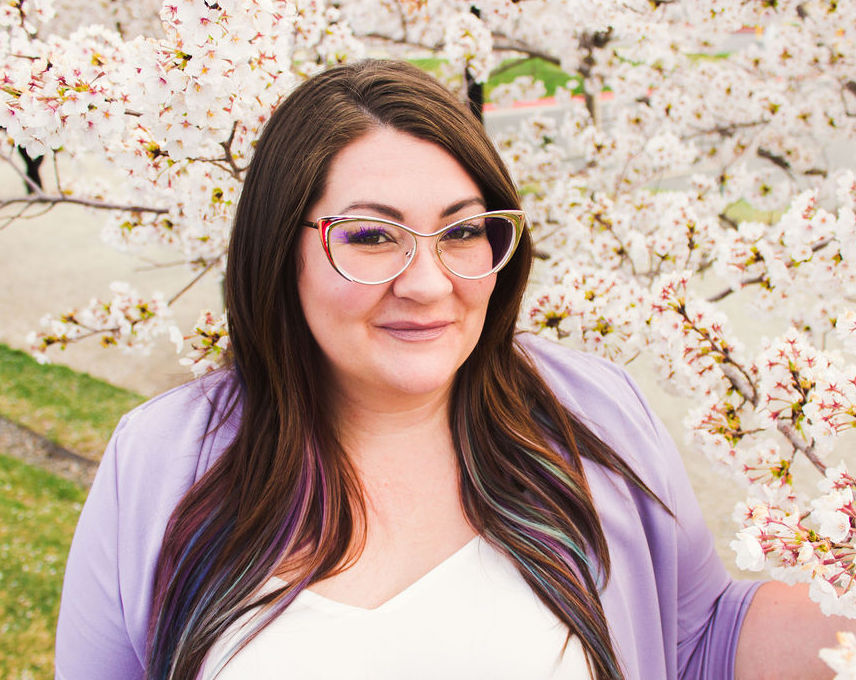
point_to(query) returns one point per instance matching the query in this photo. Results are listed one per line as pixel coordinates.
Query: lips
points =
(415, 332)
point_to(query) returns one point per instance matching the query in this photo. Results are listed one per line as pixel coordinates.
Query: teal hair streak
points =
(520, 519)
(536, 538)
(547, 586)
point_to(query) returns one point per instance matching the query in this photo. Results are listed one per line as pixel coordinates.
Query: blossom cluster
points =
(209, 344)
(697, 186)
(842, 659)
(126, 320)
(521, 89)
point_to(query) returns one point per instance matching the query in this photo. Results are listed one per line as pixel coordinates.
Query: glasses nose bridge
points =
(432, 244)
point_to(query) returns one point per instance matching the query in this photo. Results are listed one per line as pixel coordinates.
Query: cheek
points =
(315, 288)
(476, 294)
(306, 286)
(329, 302)
(317, 281)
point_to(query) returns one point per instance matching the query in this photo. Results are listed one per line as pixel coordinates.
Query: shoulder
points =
(566, 365)
(599, 392)
(606, 399)
(192, 405)
(163, 446)
(157, 452)
(667, 588)
(183, 415)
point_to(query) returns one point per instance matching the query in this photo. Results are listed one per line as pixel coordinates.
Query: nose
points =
(425, 279)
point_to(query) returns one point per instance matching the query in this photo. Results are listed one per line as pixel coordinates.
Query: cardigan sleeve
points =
(157, 452)
(673, 610)
(92, 639)
(710, 606)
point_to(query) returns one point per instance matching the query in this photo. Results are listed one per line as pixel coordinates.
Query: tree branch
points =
(799, 444)
(510, 46)
(42, 198)
(623, 253)
(849, 86)
(729, 222)
(227, 149)
(193, 281)
(509, 65)
(725, 130)
(776, 159)
(743, 385)
(14, 217)
(736, 375)
(820, 245)
(401, 41)
(56, 172)
(530, 52)
(28, 182)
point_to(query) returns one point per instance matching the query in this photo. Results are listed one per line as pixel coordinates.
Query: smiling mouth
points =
(412, 332)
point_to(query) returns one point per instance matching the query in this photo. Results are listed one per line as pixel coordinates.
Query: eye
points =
(368, 236)
(363, 235)
(464, 232)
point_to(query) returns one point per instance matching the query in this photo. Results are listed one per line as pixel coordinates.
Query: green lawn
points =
(72, 409)
(38, 512)
(551, 75)
(741, 211)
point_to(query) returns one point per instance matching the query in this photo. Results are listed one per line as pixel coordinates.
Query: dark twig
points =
(32, 165)
(725, 130)
(776, 159)
(227, 149)
(88, 202)
(32, 187)
(14, 217)
(193, 281)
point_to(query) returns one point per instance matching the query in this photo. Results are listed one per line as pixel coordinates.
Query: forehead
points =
(396, 169)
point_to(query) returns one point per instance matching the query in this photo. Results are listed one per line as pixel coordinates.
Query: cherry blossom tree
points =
(696, 163)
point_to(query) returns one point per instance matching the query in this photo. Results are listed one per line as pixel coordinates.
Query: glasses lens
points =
(476, 247)
(369, 251)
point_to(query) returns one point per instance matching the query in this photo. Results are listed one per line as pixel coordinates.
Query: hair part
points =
(284, 491)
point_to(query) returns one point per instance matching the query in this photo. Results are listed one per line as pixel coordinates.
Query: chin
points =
(416, 383)
(417, 387)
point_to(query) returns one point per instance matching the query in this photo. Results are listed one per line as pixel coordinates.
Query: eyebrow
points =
(397, 215)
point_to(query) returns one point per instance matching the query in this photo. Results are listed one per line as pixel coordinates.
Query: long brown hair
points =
(284, 490)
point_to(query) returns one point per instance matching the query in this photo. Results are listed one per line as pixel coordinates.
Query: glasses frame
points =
(325, 224)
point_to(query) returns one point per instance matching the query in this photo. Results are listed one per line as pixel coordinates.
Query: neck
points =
(398, 425)
(406, 463)
(397, 440)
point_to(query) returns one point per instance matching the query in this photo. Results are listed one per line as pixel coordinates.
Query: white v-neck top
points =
(472, 616)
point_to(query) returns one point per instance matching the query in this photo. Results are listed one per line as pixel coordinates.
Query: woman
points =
(387, 482)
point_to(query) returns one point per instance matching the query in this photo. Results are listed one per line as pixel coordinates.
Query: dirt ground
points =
(57, 261)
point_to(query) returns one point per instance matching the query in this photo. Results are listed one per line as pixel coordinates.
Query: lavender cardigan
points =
(672, 609)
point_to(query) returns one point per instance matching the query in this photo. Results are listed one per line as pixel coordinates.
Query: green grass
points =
(550, 74)
(38, 513)
(38, 510)
(742, 211)
(72, 409)
(430, 64)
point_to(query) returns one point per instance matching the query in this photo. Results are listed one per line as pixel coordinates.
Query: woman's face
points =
(407, 337)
